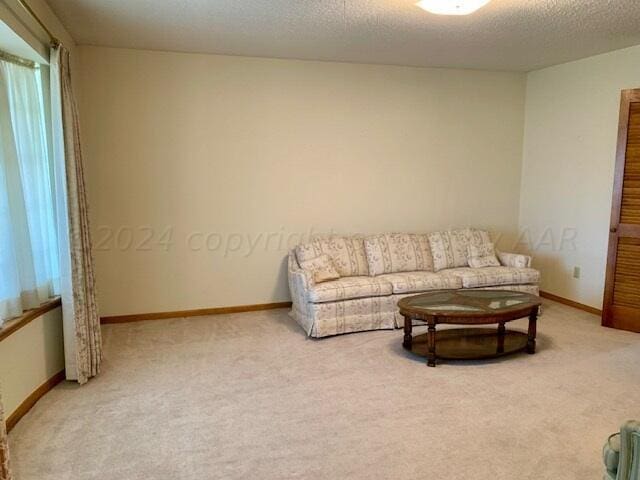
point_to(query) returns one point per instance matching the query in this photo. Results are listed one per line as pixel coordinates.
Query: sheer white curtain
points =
(29, 272)
(62, 218)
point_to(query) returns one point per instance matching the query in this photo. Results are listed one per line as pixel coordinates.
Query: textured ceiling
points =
(505, 35)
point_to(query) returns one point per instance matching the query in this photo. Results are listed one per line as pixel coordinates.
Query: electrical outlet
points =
(576, 272)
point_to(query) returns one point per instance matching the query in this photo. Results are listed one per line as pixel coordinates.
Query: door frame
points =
(627, 97)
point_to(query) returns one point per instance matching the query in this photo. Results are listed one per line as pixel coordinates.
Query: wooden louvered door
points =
(622, 291)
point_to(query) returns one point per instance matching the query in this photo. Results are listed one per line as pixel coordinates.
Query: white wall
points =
(567, 177)
(252, 147)
(29, 357)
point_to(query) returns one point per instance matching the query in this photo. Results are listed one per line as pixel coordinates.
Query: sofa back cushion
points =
(398, 252)
(347, 253)
(450, 249)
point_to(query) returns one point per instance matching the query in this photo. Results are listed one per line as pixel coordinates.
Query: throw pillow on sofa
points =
(347, 253)
(398, 252)
(450, 249)
(481, 256)
(321, 269)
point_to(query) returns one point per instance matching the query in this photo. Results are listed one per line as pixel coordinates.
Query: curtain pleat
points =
(82, 320)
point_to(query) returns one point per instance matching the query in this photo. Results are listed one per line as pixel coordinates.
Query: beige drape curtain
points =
(83, 340)
(5, 470)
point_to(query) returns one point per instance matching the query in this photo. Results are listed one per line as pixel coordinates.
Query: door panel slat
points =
(630, 207)
(622, 295)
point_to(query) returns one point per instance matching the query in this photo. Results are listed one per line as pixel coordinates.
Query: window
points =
(29, 273)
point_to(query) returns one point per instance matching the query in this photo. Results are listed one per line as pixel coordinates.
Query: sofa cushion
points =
(321, 268)
(347, 253)
(450, 249)
(398, 252)
(493, 276)
(347, 288)
(410, 282)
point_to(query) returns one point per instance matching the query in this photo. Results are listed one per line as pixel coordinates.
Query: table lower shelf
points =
(471, 343)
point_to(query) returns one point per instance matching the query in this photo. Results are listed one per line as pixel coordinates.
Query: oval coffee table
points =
(469, 308)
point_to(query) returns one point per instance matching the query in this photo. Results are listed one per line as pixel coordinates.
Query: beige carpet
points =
(247, 396)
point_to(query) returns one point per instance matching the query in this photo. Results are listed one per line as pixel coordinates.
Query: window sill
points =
(15, 324)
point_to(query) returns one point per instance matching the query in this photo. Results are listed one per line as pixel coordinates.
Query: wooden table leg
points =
(531, 341)
(501, 332)
(408, 337)
(431, 339)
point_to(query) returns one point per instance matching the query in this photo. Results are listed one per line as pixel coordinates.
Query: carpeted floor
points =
(247, 396)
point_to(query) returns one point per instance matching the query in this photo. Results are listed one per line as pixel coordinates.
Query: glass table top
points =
(469, 301)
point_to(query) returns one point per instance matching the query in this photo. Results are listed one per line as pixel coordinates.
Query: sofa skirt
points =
(363, 314)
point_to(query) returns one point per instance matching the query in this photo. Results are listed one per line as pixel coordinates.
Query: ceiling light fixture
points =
(452, 7)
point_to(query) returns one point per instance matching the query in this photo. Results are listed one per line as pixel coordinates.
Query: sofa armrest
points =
(515, 260)
(299, 282)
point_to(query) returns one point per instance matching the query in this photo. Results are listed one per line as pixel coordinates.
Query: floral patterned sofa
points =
(370, 274)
